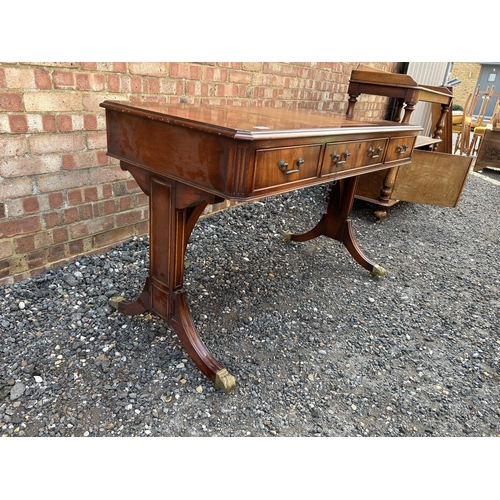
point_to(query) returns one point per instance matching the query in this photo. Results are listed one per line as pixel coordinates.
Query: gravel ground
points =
(317, 346)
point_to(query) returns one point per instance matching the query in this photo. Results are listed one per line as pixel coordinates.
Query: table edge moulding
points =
(185, 157)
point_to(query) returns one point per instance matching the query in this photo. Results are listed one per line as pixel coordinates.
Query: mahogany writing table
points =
(185, 157)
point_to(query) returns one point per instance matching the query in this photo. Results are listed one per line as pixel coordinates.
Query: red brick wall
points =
(61, 196)
(468, 73)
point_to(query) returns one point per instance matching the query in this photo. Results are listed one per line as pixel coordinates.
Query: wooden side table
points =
(430, 175)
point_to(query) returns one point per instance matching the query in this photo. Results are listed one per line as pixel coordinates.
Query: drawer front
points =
(400, 148)
(339, 156)
(371, 153)
(274, 167)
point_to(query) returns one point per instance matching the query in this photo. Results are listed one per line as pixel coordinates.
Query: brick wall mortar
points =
(60, 195)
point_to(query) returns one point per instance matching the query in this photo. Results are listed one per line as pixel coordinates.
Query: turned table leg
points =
(174, 210)
(353, 98)
(334, 224)
(438, 131)
(386, 193)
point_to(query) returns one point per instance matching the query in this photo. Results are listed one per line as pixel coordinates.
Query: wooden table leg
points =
(386, 193)
(438, 131)
(353, 98)
(334, 224)
(174, 210)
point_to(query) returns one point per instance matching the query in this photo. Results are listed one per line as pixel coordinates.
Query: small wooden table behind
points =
(185, 157)
(435, 176)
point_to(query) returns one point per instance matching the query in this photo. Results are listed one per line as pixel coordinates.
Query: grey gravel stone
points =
(17, 390)
(318, 346)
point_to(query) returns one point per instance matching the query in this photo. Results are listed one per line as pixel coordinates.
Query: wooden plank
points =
(370, 185)
(367, 74)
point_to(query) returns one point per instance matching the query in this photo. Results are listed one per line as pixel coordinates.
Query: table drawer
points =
(339, 156)
(371, 153)
(400, 148)
(274, 167)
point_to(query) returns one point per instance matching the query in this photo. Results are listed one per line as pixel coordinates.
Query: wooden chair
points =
(464, 128)
(485, 99)
(479, 131)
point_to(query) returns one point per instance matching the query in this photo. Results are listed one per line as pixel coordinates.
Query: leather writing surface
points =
(253, 123)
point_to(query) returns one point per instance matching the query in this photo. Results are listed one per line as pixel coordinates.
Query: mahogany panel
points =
(274, 167)
(400, 148)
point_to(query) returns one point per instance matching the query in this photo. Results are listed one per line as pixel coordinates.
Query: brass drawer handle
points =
(283, 166)
(372, 153)
(402, 149)
(337, 162)
(336, 158)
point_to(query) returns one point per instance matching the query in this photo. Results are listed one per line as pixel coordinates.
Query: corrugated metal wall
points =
(427, 73)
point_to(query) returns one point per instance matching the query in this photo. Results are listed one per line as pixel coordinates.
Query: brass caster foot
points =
(114, 301)
(287, 237)
(378, 271)
(224, 381)
(379, 215)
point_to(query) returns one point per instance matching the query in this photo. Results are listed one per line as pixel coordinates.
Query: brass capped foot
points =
(224, 381)
(114, 301)
(378, 271)
(287, 237)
